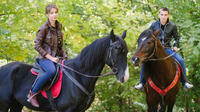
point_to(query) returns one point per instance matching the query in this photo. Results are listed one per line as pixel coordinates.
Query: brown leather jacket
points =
(47, 41)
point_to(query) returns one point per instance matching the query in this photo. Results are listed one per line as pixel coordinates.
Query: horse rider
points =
(168, 30)
(49, 44)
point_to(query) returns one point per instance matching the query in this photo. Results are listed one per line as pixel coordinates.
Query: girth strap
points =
(51, 100)
(79, 85)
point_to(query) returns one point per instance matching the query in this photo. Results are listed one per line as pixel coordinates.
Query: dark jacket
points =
(47, 40)
(166, 35)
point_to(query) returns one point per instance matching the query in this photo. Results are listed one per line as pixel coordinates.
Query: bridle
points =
(149, 58)
(109, 56)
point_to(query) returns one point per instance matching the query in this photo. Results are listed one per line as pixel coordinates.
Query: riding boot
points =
(185, 83)
(32, 99)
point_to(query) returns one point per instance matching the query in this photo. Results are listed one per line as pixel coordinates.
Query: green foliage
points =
(86, 20)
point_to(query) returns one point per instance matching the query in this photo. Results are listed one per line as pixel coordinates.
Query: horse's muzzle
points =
(136, 61)
(124, 75)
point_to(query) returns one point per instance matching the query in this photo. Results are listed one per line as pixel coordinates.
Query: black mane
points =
(96, 49)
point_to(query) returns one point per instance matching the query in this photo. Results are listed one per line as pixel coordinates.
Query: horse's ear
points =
(124, 34)
(156, 33)
(112, 35)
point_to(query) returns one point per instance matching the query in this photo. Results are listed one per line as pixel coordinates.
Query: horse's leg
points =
(170, 107)
(152, 102)
(170, 103)
(16, 106)
(163, 108)
(152, 108)
(162, 105)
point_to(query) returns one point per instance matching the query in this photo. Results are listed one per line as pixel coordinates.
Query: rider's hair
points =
(164, 9)
(51, 6)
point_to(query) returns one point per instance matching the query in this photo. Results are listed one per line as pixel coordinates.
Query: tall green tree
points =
(86, 20)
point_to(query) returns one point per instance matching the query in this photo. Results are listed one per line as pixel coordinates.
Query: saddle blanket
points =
(55, 89)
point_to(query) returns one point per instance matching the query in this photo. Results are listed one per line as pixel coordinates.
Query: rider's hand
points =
(54, 59)
(175, 49)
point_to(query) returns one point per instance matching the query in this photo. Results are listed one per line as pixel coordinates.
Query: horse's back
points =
(11, 69)
(10, 75)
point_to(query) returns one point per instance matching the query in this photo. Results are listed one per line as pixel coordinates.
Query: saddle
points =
(37, 70)
(180, 68)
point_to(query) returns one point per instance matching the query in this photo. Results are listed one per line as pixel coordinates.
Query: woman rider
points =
(49, 44)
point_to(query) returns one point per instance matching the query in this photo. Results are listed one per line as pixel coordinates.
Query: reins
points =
(159, 59)
(86, 75)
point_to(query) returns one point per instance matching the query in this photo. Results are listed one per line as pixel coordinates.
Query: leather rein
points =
(154, 50)
(86, 75)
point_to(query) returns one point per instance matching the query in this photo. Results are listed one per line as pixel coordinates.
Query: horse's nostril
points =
(115, 70)
(135, 60)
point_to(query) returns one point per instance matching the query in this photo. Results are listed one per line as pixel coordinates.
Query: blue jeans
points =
(50, 71)
(177, 57)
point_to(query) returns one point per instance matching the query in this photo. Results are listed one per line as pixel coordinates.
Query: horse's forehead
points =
(142, 39)
(122, 42)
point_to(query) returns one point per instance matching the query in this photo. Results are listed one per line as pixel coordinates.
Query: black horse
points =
(16, 78)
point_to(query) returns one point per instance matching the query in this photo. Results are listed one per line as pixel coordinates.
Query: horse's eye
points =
(123, 50)
(118, 47)
(148, 49)
(149, 42)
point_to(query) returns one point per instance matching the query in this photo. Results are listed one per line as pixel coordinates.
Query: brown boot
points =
(32, 99)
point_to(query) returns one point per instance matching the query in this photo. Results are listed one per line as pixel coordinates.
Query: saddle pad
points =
(55, 89)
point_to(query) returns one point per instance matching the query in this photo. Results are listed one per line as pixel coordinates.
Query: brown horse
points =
(159, 71)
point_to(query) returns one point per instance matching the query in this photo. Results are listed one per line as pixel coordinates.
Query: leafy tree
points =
(86, 20)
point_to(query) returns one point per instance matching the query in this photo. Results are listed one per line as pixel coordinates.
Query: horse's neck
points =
(91, 62)
(94, 70)
(89, 83)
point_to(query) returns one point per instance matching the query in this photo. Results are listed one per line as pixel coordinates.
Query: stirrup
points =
(32, 98)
